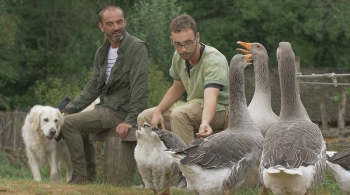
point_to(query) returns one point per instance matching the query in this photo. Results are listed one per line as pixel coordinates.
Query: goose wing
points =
(295, 144)
(219, 150)
(341, 158)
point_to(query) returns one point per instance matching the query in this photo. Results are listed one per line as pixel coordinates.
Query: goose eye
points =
(46, 120)
(258, 46)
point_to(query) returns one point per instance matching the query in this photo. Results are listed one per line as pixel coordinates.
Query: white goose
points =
(154, 165)
(219, 163)
(294, 154)
(339, 164)
(260, 107)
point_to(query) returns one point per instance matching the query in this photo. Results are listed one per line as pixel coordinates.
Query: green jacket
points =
(126, 92)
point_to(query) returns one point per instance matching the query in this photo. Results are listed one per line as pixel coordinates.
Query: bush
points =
(15, 168)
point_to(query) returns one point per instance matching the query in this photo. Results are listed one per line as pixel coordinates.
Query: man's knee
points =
(178, 115)
(68, 122)
(145, 116)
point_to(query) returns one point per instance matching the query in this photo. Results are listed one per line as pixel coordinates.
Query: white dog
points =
(41, 126)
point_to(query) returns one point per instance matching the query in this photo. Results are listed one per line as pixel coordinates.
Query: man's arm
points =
(88, 94)
(139, 77)
(172, 95)
(210, 99)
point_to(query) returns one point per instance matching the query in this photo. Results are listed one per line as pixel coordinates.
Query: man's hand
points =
(157, 119)
(64, 112)
(204, 130)
(123, 130)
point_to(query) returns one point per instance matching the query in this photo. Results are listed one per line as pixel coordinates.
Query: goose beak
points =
(247, 57)
(145, 125)
(247, 47)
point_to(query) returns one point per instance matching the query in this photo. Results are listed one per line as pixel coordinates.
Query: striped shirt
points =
(112, 57)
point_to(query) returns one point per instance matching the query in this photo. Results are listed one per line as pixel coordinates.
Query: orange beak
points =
(247, 47)
(247, 57)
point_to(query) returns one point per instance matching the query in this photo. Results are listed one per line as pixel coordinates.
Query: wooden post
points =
(342, 109)
(297, 68)
(119, 162)
(324, 116)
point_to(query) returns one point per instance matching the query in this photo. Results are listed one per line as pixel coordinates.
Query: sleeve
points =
(88, 94)
(172, 71)
(139, 78)
(216, 72)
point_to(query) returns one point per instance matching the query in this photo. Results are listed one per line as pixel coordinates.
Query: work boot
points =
(91, 173)
(90, 155)
(78, 180)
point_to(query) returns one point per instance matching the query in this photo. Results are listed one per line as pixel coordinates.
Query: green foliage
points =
(315, 29)
(158, 86)
(149, 21)
(49, 40)
(18, 168)
(52, 90)
(46, 45)
(337, 97)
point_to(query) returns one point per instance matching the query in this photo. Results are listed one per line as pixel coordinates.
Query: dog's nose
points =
(52, 132)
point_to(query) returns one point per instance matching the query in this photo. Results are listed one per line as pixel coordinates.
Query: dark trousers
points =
(76, 125)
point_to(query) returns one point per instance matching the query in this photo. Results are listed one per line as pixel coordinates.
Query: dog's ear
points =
(60, 120)
(34, 117)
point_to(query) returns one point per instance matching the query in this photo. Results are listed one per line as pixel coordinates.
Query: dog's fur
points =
(41, 126)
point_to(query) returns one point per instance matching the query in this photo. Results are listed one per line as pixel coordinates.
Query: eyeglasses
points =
(187, 44)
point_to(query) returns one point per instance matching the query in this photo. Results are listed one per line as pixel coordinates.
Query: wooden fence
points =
(10, 129)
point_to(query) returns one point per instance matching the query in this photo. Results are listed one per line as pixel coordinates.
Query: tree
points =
(315, 28)
(149, 20)
(49, 38)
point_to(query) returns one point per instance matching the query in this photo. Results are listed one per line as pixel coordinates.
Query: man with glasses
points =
(201, 71)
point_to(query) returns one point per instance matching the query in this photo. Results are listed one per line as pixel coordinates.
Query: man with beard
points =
(120, 79)
(201, 71)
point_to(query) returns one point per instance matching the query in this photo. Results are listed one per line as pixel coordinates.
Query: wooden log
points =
(119, 163)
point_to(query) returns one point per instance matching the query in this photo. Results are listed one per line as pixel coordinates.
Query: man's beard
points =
(190, 54)
(116, 39)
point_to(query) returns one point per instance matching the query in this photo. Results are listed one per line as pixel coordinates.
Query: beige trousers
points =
(75, 129)
(184, 120)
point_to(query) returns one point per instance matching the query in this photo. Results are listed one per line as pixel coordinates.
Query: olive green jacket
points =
(126, 91)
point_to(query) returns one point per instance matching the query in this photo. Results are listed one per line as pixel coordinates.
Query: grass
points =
(16, 178)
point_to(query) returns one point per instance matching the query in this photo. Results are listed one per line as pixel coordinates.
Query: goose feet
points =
(166, 192)
(227, 192)
(307, 192)
(264, 191)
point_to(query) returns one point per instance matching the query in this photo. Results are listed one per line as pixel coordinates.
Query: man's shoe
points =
(91, 174)
(78, 180)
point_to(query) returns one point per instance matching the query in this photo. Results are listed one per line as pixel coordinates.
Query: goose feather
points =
(339, 164)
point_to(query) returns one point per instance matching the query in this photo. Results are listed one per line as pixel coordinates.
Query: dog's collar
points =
(59, 137)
